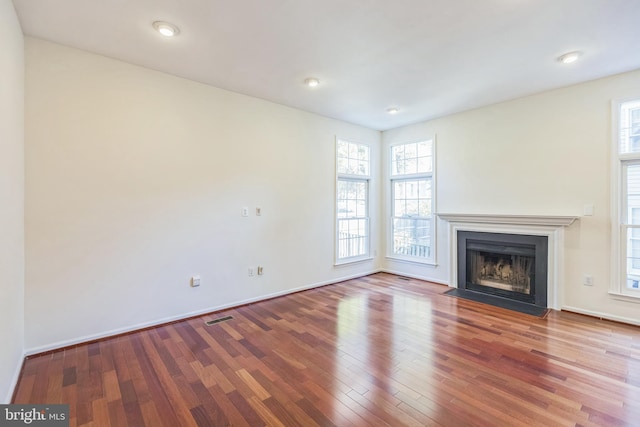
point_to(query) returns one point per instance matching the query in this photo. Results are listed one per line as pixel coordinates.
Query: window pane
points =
(633, 259)
(411, 189)
(352, 158)
(412, 197)
(352, 169)
(633, 193)
(361, 190)
(394, 168)
(351, 198)
(363, 168)
(424, 148)
(351, 208)
(343, 189)
(628, 143)
(424, 164)
(352, 238)
(411, 217)
(342, 209)
(633, 218)
(412, 207)
(410, 151)
(630, 127)
(397, 152)
(412, 158)
(411, 237)
(399, 167)
(343, 149)
(342, 156)
(424, 189)
(352, 221)
(353, 151)
(363, 153)
(342, 165)
(411, 166)
(424, 208)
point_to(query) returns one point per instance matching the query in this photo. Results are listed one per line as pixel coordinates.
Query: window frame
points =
(620, 209)
(393, 179)
(363, 178)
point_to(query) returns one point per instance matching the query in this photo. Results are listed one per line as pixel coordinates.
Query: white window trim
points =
(617, 286)
(366, 178)
(432, 261)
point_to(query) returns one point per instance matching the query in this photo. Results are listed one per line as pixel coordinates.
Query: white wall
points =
(542, 154)
(11, 199)
(135, 181)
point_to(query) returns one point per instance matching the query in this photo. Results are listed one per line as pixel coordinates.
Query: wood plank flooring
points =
(375, 351)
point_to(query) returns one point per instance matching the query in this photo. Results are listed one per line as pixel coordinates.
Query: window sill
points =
(625, 297)
(349, 261)
(430, 263)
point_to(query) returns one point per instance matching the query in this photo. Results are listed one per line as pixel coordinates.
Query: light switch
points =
(588, 210)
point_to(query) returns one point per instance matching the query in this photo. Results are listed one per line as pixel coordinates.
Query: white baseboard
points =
(600, 315)
(414, 276)
(14, 381)
(113, 332)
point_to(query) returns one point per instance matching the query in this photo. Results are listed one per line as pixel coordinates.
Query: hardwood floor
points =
(380, 351)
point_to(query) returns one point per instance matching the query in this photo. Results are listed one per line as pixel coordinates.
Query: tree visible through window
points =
(628, 166)
(412, 214)
(352, 201)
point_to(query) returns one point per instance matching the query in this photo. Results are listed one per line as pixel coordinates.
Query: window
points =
(352, 201)
(412, 202)
(626, 232)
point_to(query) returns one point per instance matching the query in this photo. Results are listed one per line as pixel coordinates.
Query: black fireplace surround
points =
(507, 270)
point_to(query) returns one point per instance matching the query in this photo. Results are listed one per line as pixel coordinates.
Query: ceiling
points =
(428, 58)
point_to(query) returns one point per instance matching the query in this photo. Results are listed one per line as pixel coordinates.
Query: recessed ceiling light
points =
(570, 57)
(312, 82)
(166, 29)
(392, 110)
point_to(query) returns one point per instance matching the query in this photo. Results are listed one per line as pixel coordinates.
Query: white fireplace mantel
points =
(551, 226)
(553, 221)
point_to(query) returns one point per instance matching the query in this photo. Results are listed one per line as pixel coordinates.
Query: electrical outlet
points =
(260, 271)
(251, 271)
(195, 281)
(588, 280)
(245, 211)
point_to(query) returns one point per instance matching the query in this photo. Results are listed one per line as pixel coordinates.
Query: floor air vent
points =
(218, 320)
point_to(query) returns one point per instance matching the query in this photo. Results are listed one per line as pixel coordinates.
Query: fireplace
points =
(550, 227)
(508, 270)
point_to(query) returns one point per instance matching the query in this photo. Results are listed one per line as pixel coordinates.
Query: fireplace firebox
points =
(507, 270)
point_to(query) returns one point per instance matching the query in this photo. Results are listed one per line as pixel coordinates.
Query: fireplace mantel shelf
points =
(544, 220)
